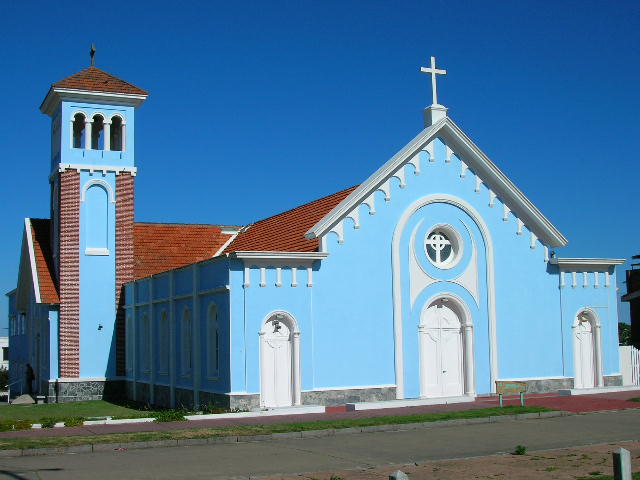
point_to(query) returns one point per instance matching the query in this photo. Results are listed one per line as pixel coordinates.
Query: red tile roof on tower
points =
(285, 232)
(159, 247)
(40, 235)
(94, 79)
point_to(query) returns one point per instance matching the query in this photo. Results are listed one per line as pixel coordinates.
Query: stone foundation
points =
(77, 391)
(612, 380)
(354, 395)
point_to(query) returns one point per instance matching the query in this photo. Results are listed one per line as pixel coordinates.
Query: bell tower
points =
(92, 175)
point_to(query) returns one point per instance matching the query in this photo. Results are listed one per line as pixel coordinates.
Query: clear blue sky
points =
(256, 107)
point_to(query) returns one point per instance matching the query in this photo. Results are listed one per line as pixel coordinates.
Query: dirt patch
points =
(568, 463)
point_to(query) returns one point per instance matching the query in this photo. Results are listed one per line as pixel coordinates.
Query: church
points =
(435, 279)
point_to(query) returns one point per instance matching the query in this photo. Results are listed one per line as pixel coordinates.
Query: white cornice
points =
(56, 95)
(32, 259)
(279, 255)
(473, 158)
(586, 264)
(96, 168)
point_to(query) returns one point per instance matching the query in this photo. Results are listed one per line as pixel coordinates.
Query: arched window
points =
(97, 133)
(213, 341)
(186, 334)
(145, 350)
(164, 344)
(96, 201)
(129, 343)
(78, 130)
(117, 134)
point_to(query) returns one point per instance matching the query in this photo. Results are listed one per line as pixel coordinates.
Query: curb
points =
(102, 447)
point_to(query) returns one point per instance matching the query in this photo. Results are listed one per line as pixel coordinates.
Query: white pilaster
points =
(172, 341)
(107, 135)
(294, 276)
(263, 277)
(296, 368)
(470, 388)
(195, 325)
(87, 134)
(278, 277)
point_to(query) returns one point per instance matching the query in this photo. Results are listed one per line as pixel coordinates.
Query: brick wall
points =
(69, 274)
(125, 190)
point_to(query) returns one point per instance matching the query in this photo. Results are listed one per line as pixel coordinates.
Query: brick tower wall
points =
(125, 189)
(69, 274)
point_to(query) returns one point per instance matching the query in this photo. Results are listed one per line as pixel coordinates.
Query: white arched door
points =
(276, 366)
(441, 351)
(584, 354)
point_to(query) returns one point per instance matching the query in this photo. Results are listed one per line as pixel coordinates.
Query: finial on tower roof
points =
(92, 54)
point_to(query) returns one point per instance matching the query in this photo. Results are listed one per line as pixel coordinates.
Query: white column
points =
(71, 137)
(87, 134)
(124, 136)
(422, 361)
(469, 379)
(263, 384)
(106, 131)
(297, 397)
(597, 345)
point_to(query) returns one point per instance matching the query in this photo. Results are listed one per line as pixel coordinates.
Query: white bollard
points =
(622, 464)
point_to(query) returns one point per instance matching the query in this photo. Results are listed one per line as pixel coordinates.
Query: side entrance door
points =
(275, 369)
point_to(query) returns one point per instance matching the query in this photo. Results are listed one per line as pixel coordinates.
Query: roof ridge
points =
(188, 224)
(302, 205)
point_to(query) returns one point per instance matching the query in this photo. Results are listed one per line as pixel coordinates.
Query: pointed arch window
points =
(78, 130)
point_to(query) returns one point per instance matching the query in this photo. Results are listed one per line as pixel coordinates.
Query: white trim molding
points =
(97, 181)
(397, 289)
(470, 155)
(586, 264)
(56, 95)
(78, 167)
(284, 256)
(32, 260)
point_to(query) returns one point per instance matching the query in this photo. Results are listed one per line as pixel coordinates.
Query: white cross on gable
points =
(433, 71)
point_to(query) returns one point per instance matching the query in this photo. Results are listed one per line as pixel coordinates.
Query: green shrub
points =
(47, 422)
(74, 421)
(6, 425)
(520, 450)
(170, 416)
(22, 424)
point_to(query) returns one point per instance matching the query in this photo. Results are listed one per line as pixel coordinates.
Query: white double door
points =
(276, 375)
(585, 358)
(441, 352)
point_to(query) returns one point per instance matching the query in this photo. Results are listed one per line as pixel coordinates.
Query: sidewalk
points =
(575, 404)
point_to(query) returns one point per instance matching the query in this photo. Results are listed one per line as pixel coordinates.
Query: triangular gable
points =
(36, 265)
(471, 157)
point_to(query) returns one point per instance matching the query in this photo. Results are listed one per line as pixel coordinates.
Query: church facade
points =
(436, 278)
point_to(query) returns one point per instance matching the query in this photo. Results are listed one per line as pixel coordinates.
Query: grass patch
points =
(634, 399)
(635, 476)
(62, 411)
(242, 430)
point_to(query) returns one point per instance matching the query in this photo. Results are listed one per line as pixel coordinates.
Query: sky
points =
(256, 107)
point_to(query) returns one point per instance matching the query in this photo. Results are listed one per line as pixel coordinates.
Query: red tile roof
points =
(92, 78)
(163, 246)
(285, 232)
(44, 260)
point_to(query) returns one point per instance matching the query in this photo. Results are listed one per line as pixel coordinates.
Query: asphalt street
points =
(340, 452)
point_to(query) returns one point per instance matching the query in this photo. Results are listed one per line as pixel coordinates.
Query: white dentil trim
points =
(472, 156)
(96, 168)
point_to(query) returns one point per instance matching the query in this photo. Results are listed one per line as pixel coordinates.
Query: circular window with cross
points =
(443, 246)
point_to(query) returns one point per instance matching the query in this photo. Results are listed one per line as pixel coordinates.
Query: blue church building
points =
(435, 278)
